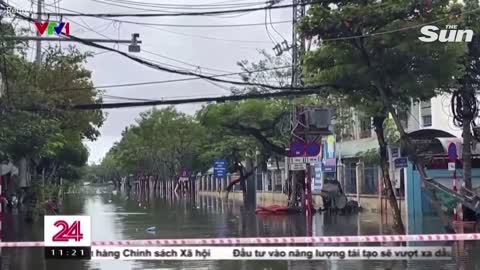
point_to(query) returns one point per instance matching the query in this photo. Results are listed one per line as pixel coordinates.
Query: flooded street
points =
(119, 217)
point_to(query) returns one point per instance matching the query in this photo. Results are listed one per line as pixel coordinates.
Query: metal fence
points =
(350, 178)
(370, 184)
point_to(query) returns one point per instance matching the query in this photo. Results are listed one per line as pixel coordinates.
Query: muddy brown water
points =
(116, 217)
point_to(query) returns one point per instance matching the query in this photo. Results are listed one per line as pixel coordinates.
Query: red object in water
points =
(272, 209)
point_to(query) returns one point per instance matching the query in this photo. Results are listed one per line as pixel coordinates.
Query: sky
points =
(208, 50)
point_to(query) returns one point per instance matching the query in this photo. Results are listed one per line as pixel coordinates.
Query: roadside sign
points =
(451, 166)
(304, 160)
(401, 162)
(297, 149)
(395, 152)
(298, 167)
(296, 160)
(220, 168)
(330, 165)
(317, 181)
(312, 149)
(452, 152)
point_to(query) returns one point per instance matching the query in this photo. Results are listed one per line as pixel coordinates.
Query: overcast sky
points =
(215, 48)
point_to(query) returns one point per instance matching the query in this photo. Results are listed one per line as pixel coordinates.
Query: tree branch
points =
(257, 134)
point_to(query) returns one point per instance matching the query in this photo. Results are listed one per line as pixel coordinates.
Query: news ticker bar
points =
(254, 253)
(269, 240)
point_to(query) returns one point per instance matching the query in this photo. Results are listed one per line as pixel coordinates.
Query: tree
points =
(381, 67)
(238, 130)
(32, 129)
(161, 143)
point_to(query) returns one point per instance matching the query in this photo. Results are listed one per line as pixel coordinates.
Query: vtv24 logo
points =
(450, 34)
(67, 231)
(53, 28)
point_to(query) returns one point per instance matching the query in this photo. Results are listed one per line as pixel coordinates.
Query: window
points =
(426, 113)
(365, 127)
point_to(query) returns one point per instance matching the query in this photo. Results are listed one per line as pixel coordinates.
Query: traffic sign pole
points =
(452, 158)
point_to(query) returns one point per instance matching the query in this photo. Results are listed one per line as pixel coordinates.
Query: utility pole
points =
(298, 117)
(298, 43)
(38, 56)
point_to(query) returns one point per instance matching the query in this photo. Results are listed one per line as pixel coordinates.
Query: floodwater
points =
(121, 218)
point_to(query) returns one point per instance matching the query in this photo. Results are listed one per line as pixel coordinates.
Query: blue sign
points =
(395, 152)
(317, 181)
(330, 165)
(452, 152)
(401, 162)
(220, 168)
(312, 149)
(297, 149)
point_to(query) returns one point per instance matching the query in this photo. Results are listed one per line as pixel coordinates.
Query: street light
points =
(134, 47)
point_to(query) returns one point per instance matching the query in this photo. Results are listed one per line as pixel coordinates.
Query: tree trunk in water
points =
(243, 186)
(397, 215)
(250, 201)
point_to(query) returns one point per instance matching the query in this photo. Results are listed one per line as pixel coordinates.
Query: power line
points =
(162, 7)
(97, 106)
(198, 25)
(184, 6)
(273, 27)
(186, 63)
(153, 53)
(161, 82)
(152, 26)
(163, 24)
(187, 73)
(124, 98)
(115, 15)
(272, 39)
(207, 37)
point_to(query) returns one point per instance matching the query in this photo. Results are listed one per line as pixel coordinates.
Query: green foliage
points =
(30, 125)
(396, 61)
(392, 136)
(162, 142)
(370, 156)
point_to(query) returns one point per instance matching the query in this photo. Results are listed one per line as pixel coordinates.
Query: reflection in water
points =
(128, 217)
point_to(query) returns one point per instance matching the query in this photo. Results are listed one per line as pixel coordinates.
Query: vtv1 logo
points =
(68, 231)
(53, 28)
(450, 34)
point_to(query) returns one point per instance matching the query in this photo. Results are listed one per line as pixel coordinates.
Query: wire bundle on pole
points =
(464, 106)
